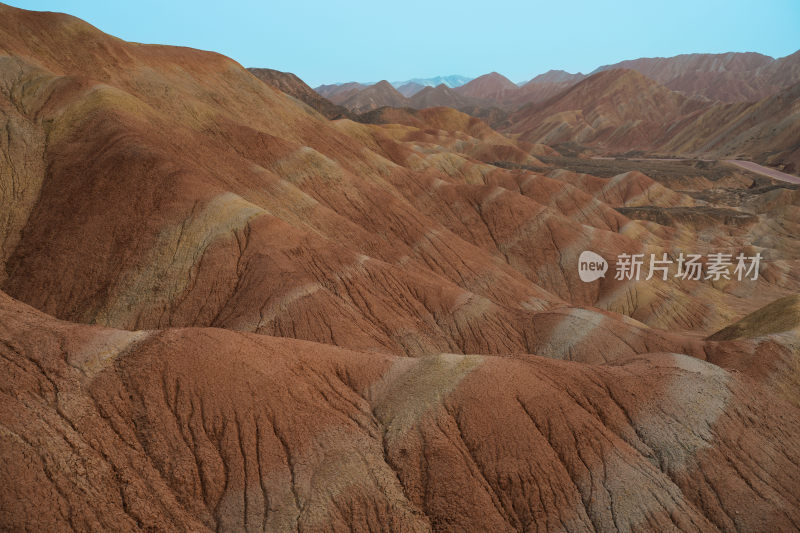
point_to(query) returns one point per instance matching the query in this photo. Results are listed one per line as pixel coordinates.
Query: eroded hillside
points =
(221, 310)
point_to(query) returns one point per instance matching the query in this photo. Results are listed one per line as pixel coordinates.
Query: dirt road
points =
(764, 171)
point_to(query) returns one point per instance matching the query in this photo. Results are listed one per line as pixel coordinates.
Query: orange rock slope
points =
(617, 111)
(222, 311)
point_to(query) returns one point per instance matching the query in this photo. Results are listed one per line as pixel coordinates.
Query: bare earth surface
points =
(222, 311)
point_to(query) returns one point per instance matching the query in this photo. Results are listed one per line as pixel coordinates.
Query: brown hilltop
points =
(492, 86)
(663, 69)
(410, 89)
(730, 77)
(557, 76)
(337, 93)
(783, 72)
(441, 95)
(766, 131)
(295, 87)
(222, 311)
(235, 190)
(379, 95)
(617, 108)
(781, 316)
(545, 86)
(727, 78)
(616, 111)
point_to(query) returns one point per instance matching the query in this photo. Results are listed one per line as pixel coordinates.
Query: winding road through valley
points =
(764, 171)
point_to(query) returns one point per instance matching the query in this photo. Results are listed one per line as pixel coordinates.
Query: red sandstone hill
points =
(492, 86)
(379, 95)
(438, 96)
(615, 111)
(410, 89)
(293, 86)
(557, 76)
(766, 131)
(783, 72)
(222, 311)
(338, 93)
(220, 177)
(544, 86)
(479, 96)
(728, 78)
(731, 77)
(618, 108)
(212, 430)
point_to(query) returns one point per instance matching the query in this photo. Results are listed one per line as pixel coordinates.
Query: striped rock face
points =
(220, 310)
(207, 429)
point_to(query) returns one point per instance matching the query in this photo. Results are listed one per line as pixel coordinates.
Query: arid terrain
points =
(231, 303)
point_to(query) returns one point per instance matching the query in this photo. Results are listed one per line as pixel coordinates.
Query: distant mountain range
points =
(407, 88)
(450, 81)
(676, 104)
(729, 77)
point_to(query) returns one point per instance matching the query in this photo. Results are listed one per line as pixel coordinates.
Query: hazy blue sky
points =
(345, 40)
